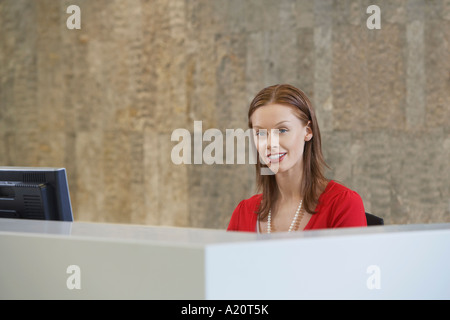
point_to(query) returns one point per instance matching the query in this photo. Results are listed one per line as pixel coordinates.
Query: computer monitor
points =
(35, 193)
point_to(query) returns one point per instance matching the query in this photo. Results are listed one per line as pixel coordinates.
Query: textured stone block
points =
(386, 78)
(350, 73)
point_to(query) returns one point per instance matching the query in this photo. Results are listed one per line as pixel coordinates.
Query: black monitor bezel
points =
(56, 177)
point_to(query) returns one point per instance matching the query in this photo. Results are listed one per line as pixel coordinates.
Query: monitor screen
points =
(34, 193)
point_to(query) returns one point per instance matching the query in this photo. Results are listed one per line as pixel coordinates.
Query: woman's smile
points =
(276, 157)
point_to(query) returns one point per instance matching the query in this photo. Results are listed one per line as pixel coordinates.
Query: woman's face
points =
(279, 136)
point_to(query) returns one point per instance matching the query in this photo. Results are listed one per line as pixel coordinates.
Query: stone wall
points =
(103, 101)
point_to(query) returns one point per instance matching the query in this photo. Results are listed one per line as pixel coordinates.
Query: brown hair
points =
(313, 179)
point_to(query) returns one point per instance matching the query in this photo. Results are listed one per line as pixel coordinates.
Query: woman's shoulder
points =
(250, 204)
(335, 190)
(244, 215)
(255, 199)
(339, 206)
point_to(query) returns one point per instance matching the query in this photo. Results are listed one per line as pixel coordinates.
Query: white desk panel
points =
(143, 262)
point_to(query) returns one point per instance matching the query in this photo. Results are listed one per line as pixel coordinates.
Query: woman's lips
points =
(276, 157)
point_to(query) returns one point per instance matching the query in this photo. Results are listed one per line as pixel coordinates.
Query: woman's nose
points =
(272, 139)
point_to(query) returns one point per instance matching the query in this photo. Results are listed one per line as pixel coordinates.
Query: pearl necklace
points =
(293, 223)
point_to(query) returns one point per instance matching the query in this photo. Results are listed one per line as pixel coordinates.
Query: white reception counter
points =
(63, 260)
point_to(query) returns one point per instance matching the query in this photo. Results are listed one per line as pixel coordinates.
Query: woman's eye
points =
(262, 133)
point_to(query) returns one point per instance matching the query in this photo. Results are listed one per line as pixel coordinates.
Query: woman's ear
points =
(309, 133)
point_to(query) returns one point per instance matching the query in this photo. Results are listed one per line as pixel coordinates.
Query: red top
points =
(338, 207)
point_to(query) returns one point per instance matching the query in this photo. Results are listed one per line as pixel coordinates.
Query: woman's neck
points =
(289, 184)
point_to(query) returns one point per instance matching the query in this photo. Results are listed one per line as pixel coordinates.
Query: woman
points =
(296, 196)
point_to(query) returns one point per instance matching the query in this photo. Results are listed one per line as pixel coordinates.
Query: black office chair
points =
(373, 220)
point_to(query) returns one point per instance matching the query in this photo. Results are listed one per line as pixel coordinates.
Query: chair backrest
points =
(373, 220)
